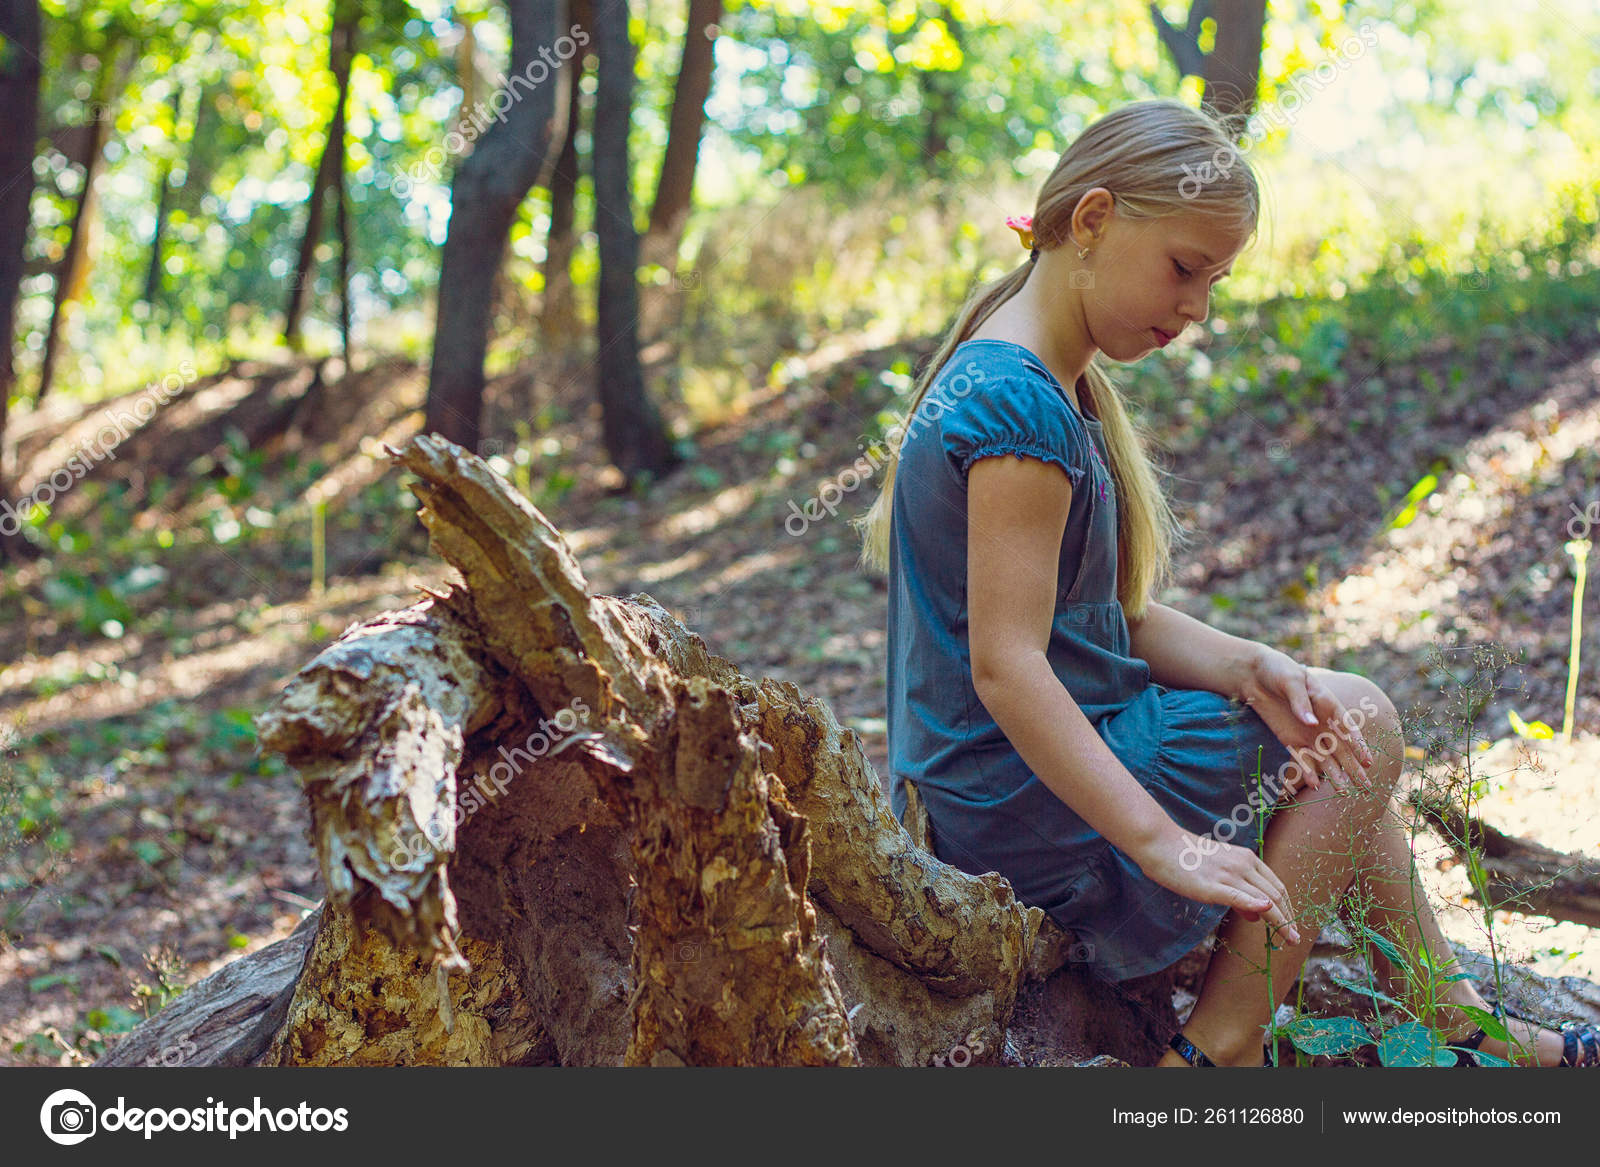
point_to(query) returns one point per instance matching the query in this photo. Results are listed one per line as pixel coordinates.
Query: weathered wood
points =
(376, 725)
(397, 729)
(227, 1019)
(619, 658)
(1521, 875)
(364, 1000)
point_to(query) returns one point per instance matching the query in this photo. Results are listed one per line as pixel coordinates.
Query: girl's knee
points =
(1370, 713)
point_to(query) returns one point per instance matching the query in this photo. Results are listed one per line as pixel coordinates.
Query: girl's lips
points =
(1164, 338)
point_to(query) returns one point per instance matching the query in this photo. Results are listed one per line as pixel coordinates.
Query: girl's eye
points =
(1182, 271)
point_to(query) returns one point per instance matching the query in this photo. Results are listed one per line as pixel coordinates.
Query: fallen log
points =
(1520, 875)
(227, 1019)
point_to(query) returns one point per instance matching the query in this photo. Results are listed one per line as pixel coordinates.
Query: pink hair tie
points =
(1023, 226)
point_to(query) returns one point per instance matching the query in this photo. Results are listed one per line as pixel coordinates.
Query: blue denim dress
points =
(1197, 753)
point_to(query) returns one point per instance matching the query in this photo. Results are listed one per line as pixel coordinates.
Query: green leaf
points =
(1384, 945)
(1492, 1025)
(1364, 990)
(1414, 496)
(1327, 1035)
(1412, 1044)
(50, 980)
(1530, 729)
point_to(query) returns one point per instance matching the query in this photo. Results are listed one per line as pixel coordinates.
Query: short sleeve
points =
(1015, 413)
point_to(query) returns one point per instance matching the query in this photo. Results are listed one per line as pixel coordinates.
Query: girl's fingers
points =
(1309, 767)
(1300, 700)
(1364, 750)
(1264, 883)
(1345, 763)
(1274, 913)
(1273, 882)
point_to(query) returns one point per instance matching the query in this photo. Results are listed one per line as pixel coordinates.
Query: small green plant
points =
(1412, 1035)
(1579, 550)
(167, 968)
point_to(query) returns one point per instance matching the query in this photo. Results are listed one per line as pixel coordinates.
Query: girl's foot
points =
(1538, 1046)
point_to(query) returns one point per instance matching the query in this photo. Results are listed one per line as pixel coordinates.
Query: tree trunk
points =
(341, 226)
(489, 186)
(153, 273)
(1521, 875)
(73, 268)
(675, 188)
(20, 32)
(941, 90)
(330, 175)
(1231, 71)
(1233, 67)
(635, 436)
(558, 316)
(555, 830)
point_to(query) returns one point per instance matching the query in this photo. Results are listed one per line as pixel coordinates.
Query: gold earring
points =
(1082, 251)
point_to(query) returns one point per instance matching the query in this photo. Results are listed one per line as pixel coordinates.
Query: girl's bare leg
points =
(1314, 842)
(1309, 843)
(1396, 905)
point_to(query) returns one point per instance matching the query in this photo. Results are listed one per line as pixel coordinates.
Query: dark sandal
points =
(1188, 1051)
(1573, 1035)
(1195, 1056)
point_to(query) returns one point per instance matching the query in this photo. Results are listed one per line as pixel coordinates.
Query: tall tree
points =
(488, 187)
(152, 275)
(330, 177)
(941, 95)
(635, 436)
(1233, 66)
(72, 271)
(675, 188)
(20, 35)
(1231, 71)
(558, 317)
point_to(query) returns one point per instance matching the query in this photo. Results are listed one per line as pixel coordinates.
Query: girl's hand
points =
(1203, 868)
(1308, 719)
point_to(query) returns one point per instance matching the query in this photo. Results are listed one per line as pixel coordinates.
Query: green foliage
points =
(859, 161)
(1328, 1036)
(100, 608)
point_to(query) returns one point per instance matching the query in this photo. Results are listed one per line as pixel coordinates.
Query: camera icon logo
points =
(68, 1117)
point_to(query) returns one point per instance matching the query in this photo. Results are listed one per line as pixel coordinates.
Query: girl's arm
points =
(1016, 514)
(1185, 653)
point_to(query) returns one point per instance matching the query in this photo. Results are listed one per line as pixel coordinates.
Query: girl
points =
(1098, 749)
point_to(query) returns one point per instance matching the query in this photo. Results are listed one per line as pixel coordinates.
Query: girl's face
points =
(1147, 280)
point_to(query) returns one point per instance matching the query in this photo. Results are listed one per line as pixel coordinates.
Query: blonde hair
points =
(1158, 157)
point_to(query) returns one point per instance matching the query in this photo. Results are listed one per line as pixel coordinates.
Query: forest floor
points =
(143, 843)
